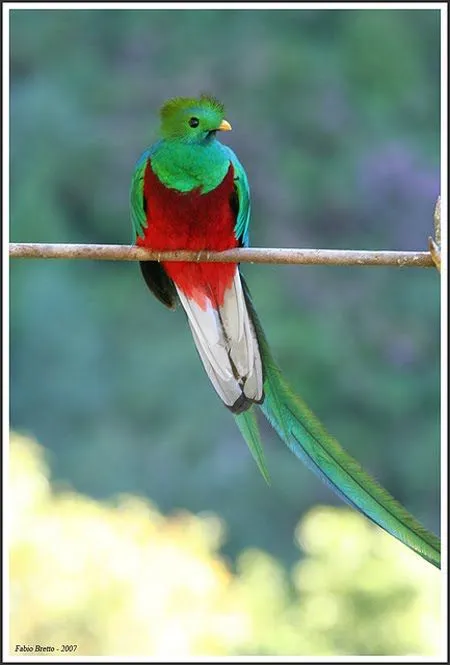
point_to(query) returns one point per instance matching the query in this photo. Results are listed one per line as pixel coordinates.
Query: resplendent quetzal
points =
(189, 191)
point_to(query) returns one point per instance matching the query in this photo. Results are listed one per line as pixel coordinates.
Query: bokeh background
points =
(141, 525)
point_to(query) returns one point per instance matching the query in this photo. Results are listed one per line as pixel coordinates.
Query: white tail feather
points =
(227, 345)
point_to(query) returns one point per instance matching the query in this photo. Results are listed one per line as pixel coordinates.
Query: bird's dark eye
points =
(194, 122)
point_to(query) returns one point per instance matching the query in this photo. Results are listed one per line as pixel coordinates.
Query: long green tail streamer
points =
(306, 437)
(248, 425)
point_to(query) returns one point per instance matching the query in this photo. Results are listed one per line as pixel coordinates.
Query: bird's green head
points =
(192, 120)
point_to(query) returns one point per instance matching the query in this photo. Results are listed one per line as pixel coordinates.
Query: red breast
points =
(192, 220)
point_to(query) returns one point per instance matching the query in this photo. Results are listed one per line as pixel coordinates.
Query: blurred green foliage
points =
(335, 116)
(119, 578)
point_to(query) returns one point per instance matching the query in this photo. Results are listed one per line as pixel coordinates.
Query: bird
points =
(189, 191)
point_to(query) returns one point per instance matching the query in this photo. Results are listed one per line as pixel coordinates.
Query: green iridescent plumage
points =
(308, 439)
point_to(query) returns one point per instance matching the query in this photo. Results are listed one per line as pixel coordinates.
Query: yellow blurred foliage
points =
(121, 579)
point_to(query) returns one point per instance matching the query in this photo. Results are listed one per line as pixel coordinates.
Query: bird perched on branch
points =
(189, 191)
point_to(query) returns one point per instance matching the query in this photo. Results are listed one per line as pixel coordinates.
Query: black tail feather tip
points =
(243, 403)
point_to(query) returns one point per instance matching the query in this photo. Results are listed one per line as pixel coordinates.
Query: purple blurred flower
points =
(399, 191)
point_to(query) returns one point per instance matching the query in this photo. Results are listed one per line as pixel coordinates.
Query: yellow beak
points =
(224, 126)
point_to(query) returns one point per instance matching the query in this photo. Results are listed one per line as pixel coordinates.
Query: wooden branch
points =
(434, 244)
(334, 257)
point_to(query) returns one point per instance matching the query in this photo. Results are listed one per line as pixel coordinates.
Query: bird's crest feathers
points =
(174, 105)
